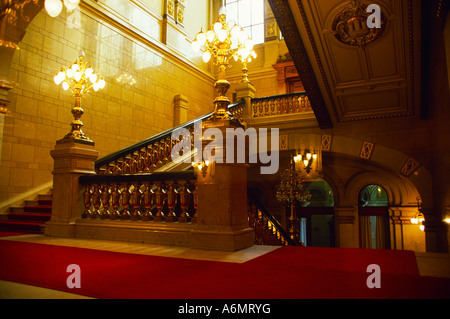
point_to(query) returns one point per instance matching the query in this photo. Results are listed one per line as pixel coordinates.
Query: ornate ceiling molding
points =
(294, 43)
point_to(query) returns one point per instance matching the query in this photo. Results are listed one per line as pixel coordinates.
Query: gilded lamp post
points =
(80, 78)
(224, 41)
(290, 190)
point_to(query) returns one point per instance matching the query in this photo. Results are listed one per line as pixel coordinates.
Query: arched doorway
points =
(373, 217)
(316, 217)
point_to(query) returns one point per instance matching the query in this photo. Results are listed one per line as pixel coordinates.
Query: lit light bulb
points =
(96, 86)
(77, 76)
(248, 44)
(57, 79)
(69, 73)
(201, 38)
(71, 4)
(102, 83)
(53, 7)
(243, 36)
(206, 56)
(210, 35)
(195, 46)
(235, 31)
(65, 86)
(93, 77)
(422, 227)
(88, 72)
(217, 26)
(75, 67)
(222, 35)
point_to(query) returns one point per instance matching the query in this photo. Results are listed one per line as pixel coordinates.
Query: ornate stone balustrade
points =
(293, 103)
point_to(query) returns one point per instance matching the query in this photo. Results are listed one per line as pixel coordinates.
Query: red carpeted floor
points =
(286, 273)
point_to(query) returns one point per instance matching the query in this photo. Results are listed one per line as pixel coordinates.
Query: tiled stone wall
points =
(115, 117)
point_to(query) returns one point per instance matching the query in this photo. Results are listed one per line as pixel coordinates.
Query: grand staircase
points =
(30, 218)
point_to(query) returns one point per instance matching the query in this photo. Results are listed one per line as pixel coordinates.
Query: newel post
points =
(222, 218)
(72, 159)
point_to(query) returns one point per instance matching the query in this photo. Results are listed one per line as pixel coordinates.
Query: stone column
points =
(347, 234)
(180, 111)
(222, 220)
(71, 160)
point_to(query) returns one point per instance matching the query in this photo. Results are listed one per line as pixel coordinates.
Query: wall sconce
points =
(201, 167)
(307, 158)
(419, 218)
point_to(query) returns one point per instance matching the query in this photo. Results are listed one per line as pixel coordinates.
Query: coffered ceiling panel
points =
(363, 73)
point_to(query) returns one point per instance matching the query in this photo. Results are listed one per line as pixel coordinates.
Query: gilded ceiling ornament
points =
(350, 25)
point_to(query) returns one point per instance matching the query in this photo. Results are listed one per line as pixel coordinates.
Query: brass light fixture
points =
(13, 9)
(419, 218)
(307, 159)
(224, 41)
(201, 167)
(291, 189)
(80, 78)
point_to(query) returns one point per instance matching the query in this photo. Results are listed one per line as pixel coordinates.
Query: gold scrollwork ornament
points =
(350, 25)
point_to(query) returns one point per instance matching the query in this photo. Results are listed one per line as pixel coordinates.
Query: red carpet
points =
(286, 273)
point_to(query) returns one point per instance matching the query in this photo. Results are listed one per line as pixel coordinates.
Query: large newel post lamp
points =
(80, 79)
(224, 41)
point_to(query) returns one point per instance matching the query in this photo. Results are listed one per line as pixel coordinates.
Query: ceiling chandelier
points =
(222, 42)
(54, 7)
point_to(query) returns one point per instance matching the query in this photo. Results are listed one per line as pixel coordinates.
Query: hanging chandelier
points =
(222, 42)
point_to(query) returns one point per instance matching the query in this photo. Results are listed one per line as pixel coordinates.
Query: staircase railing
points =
(268, 231)
(281, 104)
(168, 197)
(148, 155)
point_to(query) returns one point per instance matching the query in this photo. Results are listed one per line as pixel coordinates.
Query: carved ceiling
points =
(352, 72)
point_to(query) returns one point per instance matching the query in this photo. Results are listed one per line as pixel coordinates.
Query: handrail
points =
(277, 96)
(140, 177)
(135, 147)
(261, 207)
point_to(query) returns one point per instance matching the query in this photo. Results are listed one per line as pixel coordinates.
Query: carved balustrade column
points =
(194, 193)
(115, 201)
(105, 197)
(171, 201)
(184, 203)
(87, 202)
(96, 193)
(126, 202)
(147, 198)
(136, 200)
(159, 201)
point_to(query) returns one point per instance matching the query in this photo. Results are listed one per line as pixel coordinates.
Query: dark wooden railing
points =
(148, 155)
(268, 231)
(168, 197)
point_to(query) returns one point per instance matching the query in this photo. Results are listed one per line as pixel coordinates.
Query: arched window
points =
(316, 216)
(373, 217)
